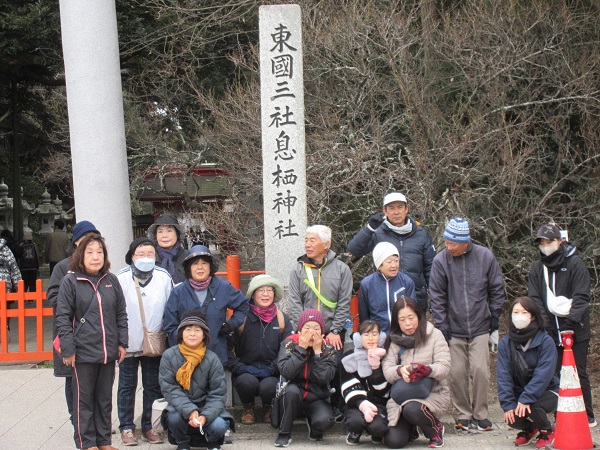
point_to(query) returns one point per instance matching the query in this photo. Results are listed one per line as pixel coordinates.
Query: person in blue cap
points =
(211, 295)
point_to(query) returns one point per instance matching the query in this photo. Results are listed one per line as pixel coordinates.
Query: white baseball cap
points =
(394, 197)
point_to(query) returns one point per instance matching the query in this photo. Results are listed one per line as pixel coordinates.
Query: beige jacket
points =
(436, 354)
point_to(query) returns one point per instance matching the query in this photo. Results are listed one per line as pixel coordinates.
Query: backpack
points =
(29, 257)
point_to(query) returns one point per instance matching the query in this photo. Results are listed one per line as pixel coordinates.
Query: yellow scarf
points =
(193, 358)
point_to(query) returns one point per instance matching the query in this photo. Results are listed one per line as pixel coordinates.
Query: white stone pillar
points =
(96, 124)
(284, 160)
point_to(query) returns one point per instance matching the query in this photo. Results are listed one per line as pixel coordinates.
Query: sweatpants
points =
(414, 414)
(92, 403)
(538, 417)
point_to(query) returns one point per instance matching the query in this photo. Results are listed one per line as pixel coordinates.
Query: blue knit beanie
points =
(457, 230)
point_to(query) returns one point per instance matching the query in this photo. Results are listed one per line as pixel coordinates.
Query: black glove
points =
(226, 329)
(569, 324)
(494, 323)
(375, 221)
(447, 335)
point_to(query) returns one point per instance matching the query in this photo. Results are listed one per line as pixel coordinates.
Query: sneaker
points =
(213, 446)
(525, 437)
(353, 438)
(414, 434)
(283, 440)
(185, 446)
(152, 437)
(438, 440)
(338, 414)
(128, 438)
(546, 438)
(313, 434)
(484, 425)
(463, 424)
(592, 422)
(376, 440)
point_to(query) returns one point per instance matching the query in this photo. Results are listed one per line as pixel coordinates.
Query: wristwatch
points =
(336, 331)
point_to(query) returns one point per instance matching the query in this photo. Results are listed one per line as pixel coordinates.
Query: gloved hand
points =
(368, 409)
(494, 323)
(419, 371)
(374, 356)
(226, 329)
(375, 221)
(569, 324)
(258, 373)
(494, 341)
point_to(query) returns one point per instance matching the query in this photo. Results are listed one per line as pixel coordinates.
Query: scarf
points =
(167, 261)
(200, 285)
(524, 335)
(143, 277)
(555, 261)
(404, 229)
(358, 361)
(265, 314)
(403, 340)
(193, 358)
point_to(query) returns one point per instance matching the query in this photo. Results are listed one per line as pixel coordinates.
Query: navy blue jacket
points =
(378, 295)
(541, 356)
(220, 296)
(415, 248)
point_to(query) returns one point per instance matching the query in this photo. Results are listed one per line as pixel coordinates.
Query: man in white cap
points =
(415, 248)
(380, 290)
(559, 282)
(467, 295)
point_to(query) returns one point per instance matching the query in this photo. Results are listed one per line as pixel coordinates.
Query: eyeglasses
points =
(265, 290)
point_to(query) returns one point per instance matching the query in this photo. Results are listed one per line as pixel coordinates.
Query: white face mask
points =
(145, 264)
(550, 248)
(520, 321)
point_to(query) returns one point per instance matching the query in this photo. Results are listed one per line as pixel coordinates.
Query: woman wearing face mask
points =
(155, 285)
(527, 384)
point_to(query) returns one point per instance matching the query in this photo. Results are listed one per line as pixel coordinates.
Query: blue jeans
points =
(128, 380)
(214, 432)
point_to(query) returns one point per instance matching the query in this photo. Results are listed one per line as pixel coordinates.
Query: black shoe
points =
(313, 434)
(185, 446)
(213, 446)
(376, 440)
(353, 438)
(462, 424)
(283, 439)
(338, 414)
(484, 425)
(414, 434)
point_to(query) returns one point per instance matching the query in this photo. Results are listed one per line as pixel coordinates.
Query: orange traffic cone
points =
(572, 429)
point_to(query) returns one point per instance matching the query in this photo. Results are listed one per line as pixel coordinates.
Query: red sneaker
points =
(546, 438)
(525, 437)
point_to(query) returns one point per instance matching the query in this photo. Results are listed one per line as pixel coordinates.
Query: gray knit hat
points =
(265, 280)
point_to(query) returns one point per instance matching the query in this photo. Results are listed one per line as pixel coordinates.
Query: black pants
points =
(539, 414)
(413, 414)
(292, 406)
(92, 403)
(69, 397)
(580, 353)
(248, 387)
(29, 278)
(355, 422)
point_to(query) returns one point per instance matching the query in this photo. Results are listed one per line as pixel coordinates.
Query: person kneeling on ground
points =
(417, 363)
(364, 387)
(192, 380)
(527, 384)
(309, 363)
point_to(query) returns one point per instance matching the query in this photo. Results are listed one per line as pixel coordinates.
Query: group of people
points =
(402, 374)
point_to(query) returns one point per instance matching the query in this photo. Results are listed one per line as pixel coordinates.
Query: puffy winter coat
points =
(208, 387)
(9, 270)
(415, 248)
(572, 280)
(220, 296)
(541, 356)
(310, 373)
(378, 295)
(434, 353)
(98, 338)
(466, 291)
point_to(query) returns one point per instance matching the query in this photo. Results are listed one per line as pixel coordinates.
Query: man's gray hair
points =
(322, 231)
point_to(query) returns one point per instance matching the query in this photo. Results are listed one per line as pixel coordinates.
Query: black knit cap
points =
(133, 247)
